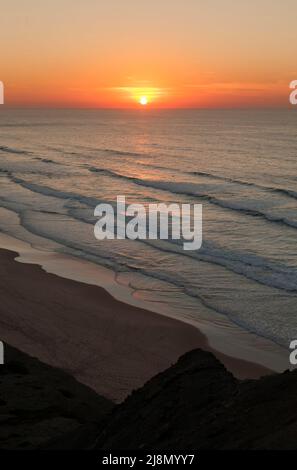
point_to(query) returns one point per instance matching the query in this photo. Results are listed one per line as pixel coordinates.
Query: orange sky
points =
(190, 53)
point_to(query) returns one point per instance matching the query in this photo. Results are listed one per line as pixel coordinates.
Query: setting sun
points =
(143, 100)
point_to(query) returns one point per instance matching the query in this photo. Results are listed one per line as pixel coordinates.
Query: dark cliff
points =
(40, 404)
(197, 404)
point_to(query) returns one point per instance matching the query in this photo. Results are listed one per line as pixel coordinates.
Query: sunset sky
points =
(191, 53)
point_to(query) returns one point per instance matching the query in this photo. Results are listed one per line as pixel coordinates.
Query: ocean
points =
(241, 165)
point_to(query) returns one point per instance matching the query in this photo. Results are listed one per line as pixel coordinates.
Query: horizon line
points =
(148, 108)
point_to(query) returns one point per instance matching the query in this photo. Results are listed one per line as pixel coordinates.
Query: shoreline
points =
(222, 335)
(111, 346)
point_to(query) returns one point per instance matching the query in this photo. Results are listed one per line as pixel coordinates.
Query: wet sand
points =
(106, 344)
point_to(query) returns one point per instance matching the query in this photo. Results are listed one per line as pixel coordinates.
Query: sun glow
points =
(143, 100)
(143, 96)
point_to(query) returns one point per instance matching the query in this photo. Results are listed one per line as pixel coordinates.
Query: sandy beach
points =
(108, 345)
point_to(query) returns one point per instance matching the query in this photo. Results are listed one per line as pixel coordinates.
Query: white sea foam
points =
(246, 269)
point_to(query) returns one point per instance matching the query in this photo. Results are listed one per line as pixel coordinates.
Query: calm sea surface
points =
(57, 165)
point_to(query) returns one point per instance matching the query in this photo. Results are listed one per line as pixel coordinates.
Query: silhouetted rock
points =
(197, 404)
(40, 405)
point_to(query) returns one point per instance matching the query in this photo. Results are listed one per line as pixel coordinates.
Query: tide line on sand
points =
(109, 345)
